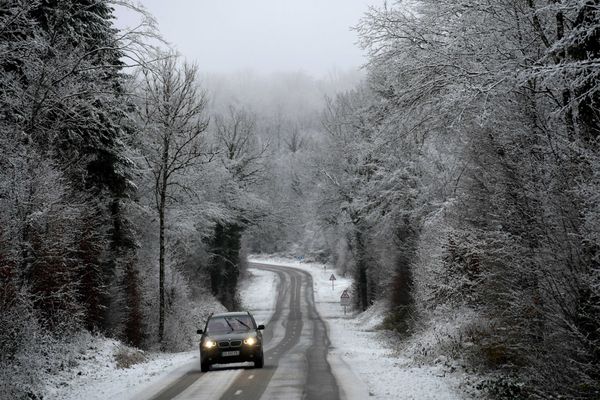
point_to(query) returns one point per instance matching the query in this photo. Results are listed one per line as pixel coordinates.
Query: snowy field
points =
(369, 353)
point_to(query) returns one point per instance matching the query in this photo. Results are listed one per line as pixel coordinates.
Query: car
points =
(231, 337)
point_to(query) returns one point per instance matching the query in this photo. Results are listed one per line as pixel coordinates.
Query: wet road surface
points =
(295, 350)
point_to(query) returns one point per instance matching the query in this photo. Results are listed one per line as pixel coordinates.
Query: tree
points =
(63, 96)
(345, 168)
(241, 156)
(499, 99)
(171, 113)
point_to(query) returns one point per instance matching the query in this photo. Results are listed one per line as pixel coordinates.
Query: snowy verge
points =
(95, 373)
(101, 368)
(258, 293)
(371, 355)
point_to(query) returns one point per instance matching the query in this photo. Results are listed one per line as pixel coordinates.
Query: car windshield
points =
(241, 323)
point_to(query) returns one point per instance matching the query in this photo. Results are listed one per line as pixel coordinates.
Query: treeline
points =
(122, 197)
(463, 177)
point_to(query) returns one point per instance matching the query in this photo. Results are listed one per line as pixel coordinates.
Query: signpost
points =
(332, 279)
(345, 300)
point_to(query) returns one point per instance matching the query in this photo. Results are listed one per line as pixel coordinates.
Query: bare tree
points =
(295, 141)
(173, 118)
(236, 134)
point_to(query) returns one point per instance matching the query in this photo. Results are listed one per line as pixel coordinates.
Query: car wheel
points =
(204, 366)
(260, 361)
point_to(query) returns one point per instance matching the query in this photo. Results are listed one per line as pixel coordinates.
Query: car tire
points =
(204, 366)
(260, 361)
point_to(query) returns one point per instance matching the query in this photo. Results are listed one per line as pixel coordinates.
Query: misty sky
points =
(263, 35)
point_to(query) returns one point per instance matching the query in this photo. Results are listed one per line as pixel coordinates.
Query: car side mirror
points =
(261, 327)
(199, 331)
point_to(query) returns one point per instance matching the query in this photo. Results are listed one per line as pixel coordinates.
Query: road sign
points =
(332, 279)
(345, 300)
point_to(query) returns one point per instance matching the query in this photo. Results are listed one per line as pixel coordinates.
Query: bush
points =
(399, 319)
(127, 356)
(504, 388)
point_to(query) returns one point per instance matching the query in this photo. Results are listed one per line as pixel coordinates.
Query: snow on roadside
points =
(370, 354)
(258, 293)
(92, 371)
(95, 374)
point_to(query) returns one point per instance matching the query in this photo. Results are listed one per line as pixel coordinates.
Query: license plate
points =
(230, 353)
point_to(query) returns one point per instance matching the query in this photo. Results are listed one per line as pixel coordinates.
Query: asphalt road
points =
(295, 349)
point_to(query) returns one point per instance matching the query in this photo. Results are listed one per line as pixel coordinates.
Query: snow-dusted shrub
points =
(126, 357)
(448, 334)
(180, 327)
(185, 313)
(30, 354)
(429, 259)
(20, 337)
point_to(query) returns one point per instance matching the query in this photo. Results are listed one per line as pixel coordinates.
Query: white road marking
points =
(210, 386)
(251, 377)
(237, 393)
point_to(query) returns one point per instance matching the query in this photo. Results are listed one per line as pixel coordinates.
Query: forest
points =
(456, 178)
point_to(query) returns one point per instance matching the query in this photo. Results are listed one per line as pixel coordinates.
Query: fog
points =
(266, 36)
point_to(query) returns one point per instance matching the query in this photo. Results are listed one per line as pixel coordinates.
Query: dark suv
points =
(230, 338)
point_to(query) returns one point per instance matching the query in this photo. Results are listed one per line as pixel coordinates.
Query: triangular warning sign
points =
(332, 277)
(345, 294)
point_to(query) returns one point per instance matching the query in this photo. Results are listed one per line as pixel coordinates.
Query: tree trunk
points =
(361, 271)
(161, 241)
(133, 330)
(161, 268)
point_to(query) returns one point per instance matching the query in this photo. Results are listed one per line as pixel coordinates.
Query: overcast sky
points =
(263, 35)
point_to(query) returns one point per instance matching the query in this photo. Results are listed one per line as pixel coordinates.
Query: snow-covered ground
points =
(258, 294)
(370, 354)
(97, 376)
(358, 350)
(94, 373)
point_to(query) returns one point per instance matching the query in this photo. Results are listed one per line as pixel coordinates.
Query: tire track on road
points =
(315, 380)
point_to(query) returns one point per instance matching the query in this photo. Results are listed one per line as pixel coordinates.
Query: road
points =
(296, 346)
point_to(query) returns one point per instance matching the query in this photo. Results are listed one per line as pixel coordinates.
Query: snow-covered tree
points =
(173, 122)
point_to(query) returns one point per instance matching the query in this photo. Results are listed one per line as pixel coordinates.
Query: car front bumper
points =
(216, 355)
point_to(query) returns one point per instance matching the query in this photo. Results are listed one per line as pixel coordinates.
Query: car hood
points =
(231, 336)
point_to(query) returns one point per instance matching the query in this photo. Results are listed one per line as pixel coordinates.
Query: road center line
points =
(251, 377)
(237, 393)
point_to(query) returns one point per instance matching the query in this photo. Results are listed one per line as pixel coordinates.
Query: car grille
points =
(226, 344)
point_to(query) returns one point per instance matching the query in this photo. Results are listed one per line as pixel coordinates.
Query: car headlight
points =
(209, 344)
(251, 341)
